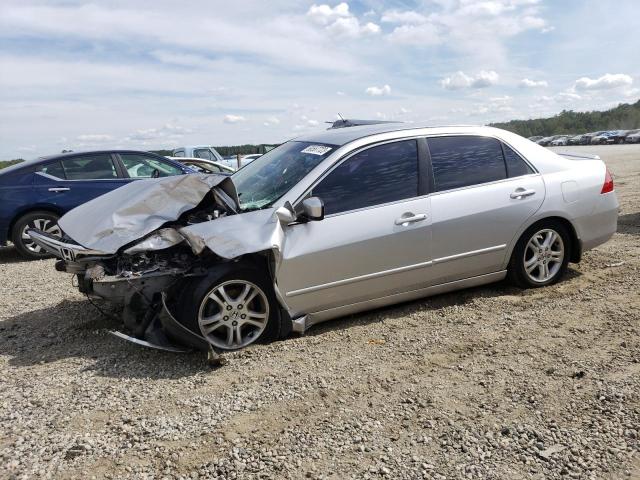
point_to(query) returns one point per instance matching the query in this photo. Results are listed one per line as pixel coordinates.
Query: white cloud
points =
(95, 138)
(323, 14)
(233, 119)
(378, 91)
(606, 81)
(167, 131)
(271, 121)
(567, 97)
(339, 21)
(340, 93)
(418, 35)
(461, 80)
(526, 83)
(463, 25)
(406, 17)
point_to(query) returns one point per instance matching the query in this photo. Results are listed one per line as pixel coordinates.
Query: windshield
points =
(267, 178)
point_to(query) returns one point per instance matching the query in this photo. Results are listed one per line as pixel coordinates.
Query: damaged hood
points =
(132, 211)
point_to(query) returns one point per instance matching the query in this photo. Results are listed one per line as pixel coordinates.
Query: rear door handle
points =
(59, 189)
(411, 219)
(522, 193)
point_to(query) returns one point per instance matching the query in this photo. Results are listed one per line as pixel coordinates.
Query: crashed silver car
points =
(331, 224)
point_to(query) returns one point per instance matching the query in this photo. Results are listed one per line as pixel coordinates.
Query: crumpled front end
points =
(138, 249)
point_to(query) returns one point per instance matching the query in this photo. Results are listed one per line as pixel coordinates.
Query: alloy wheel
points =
(233, 314)
(543, 255)
(43, 224)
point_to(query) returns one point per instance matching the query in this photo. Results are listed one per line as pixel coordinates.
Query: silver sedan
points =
(330, 224)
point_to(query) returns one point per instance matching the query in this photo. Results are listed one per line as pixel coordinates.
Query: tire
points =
(42, 220)
(197, 308)
(545, 265)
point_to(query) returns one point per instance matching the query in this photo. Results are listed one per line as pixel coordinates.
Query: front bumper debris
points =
(166, 333)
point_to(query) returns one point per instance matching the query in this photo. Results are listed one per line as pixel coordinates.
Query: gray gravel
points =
(492, 382)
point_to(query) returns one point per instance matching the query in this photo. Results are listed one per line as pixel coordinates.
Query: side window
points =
(378, 175)
(54, 169)
(141, 166)
(89, 167)
(203, 153)
(179, 153)
(516, 166)
(464, 161)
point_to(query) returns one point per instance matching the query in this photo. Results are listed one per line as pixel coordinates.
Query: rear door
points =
(484, 193)
(374, 240)
(71, 181)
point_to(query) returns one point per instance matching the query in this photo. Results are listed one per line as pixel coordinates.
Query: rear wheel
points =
(231, 310)
(541, 255)
(44, 221)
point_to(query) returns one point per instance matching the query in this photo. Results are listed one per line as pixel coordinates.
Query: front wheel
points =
(541, 255)
(231, 310)
(44, 221)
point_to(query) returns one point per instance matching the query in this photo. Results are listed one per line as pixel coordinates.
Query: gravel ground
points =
(492, 382)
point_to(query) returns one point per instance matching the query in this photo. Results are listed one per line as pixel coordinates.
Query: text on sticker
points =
(316, 149)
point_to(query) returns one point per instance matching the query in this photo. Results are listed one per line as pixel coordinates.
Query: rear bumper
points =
(598, 227)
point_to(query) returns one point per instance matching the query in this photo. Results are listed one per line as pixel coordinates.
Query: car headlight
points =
(159, 240)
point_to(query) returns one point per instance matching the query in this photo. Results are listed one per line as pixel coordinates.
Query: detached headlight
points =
(163, 238)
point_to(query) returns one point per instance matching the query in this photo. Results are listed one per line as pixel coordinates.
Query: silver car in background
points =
(331, 224)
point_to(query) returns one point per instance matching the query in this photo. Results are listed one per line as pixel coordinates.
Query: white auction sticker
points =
(316, 149)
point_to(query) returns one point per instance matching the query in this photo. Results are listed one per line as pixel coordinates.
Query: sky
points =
(151, 74)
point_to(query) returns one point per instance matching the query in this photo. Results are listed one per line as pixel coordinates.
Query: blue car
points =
(36, 193)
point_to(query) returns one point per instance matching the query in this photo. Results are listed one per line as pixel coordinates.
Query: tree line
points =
(623, 117)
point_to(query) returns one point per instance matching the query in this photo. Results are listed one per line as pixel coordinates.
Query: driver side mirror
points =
(313, 209)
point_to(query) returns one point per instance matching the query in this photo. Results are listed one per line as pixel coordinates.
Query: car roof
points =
(90, 152)
(342, 136)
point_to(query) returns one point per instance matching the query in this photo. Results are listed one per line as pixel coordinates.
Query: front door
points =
(375, 238)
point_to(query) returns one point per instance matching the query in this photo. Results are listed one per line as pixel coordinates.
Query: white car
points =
(562, 140)
(204, 166)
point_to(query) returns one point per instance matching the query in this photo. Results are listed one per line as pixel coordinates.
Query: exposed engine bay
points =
(144, 275)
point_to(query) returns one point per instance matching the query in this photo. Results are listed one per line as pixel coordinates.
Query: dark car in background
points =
(633, 137)
(34, 194)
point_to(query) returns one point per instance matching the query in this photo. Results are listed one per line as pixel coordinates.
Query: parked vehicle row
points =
(329, 224)
(602, 137)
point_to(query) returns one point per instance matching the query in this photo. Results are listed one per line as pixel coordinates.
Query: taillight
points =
(608, 183)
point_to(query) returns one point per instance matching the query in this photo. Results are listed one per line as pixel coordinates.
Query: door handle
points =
(59, 189)
(411, 219)
(520, 193)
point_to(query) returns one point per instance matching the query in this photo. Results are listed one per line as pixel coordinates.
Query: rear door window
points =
(141, 166)
(516, 166)
(381, 174)
(89, 167)
(54, 169)
(464, 161)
